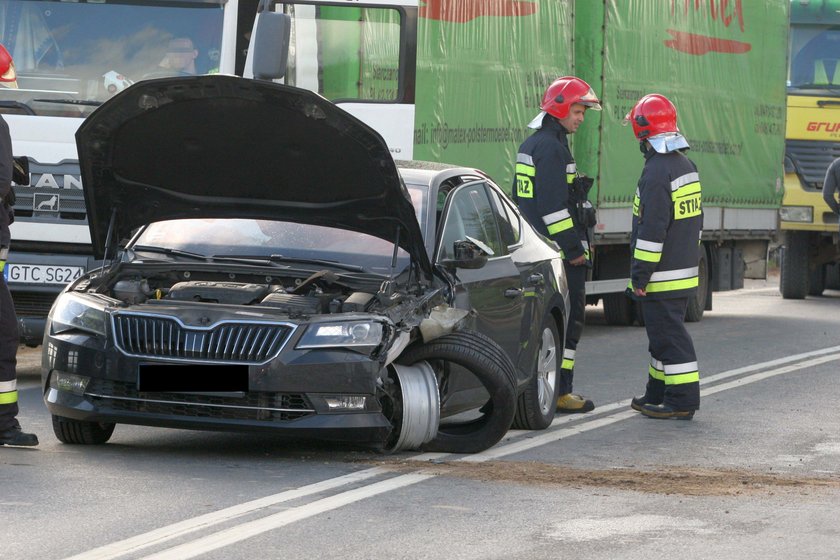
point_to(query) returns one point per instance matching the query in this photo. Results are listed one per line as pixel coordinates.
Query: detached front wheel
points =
(492, 367)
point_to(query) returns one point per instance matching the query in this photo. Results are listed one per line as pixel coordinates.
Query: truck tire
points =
(618, 309)
(538, 402)
(493, 368)
(793, 280)
(816, 281)
(697, 304)
(72, 431)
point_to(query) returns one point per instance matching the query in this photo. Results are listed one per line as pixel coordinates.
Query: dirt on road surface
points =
(670, 480)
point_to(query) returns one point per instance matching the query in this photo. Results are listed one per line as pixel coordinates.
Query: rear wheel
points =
(537, 403)
(618, 309)
(72, 431)
(793, 282)
(816, 281)
(492, 367)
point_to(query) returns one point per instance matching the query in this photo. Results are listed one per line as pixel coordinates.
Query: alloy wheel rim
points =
(547, 371)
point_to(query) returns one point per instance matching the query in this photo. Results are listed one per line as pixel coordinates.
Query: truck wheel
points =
(537, 403)
(696, 305)
(78, 432)
(493, 368)
(832, 276)
(618, 309)
(793, 281)
(816, 281)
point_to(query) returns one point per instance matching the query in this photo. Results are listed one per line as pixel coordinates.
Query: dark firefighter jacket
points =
(667, 223)
(543, 188)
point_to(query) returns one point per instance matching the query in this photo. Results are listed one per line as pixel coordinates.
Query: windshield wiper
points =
(87, 102)
(172, 252)
(17, 105)
(280, 259)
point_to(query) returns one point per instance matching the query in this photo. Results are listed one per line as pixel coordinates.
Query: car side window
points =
(506, 216)
(470, 213)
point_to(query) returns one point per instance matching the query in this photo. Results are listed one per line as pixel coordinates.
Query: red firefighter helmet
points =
(8, 76)
(652, 115)
(565, 92)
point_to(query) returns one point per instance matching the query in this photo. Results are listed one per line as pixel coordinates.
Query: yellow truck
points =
(810, 257)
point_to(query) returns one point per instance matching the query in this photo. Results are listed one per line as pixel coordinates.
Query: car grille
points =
(165, 337)
(812, 159)
(265, 407)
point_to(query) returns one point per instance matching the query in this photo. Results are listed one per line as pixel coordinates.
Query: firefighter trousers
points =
(673, 375)
(9, 340)
(576, 278)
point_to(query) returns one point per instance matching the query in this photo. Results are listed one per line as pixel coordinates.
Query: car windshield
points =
(264, 239)
(72, 56)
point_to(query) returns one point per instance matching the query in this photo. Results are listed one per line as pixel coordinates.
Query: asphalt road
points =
(754, 476)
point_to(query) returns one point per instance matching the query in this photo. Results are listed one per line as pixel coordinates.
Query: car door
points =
(494, 291)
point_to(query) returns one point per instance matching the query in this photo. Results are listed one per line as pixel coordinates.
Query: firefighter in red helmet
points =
(10, 431)
(665, 245)
(552, 196)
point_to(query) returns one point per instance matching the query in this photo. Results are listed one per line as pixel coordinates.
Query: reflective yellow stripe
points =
(3, 265)
(636, 205)
(570, 178)
(648, 256)
(656, 373)
(683, 378)
(562, 225)
(529, 293)
(9, 398)
(672, 285)
(524, 180)
(567, 364)
(687, 201)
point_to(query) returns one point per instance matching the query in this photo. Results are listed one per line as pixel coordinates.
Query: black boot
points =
(666, 411)
(16, 436)
(639, 402)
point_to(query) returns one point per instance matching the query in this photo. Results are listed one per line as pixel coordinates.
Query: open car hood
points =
(225, 147)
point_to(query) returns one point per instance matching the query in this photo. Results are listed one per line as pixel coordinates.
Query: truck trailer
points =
(457, 81)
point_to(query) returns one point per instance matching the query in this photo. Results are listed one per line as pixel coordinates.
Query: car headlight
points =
(796, 214)
(73, 311)
(349, 334)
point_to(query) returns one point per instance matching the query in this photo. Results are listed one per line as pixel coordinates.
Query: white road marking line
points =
(157, 536)
(252, 528)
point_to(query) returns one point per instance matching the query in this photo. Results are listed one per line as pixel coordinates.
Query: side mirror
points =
(468, 254)
(270, 45)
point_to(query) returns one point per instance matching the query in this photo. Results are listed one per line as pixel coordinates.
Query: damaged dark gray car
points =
(269, 268)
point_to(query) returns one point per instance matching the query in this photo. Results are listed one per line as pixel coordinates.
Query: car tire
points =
(538, 402)
(72, 431)
(493, 368)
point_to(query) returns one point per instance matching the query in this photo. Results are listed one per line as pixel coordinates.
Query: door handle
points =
(513, 292)
(536, 279)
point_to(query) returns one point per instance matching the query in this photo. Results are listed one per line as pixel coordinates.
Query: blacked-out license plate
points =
(192, 378)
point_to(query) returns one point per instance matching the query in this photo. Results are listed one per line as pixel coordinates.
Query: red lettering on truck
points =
(827, 126)
(691, 43)
(462, 11)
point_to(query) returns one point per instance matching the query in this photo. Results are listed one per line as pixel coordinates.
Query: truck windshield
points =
(72, 56)
(814, 57)
(344, 52)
